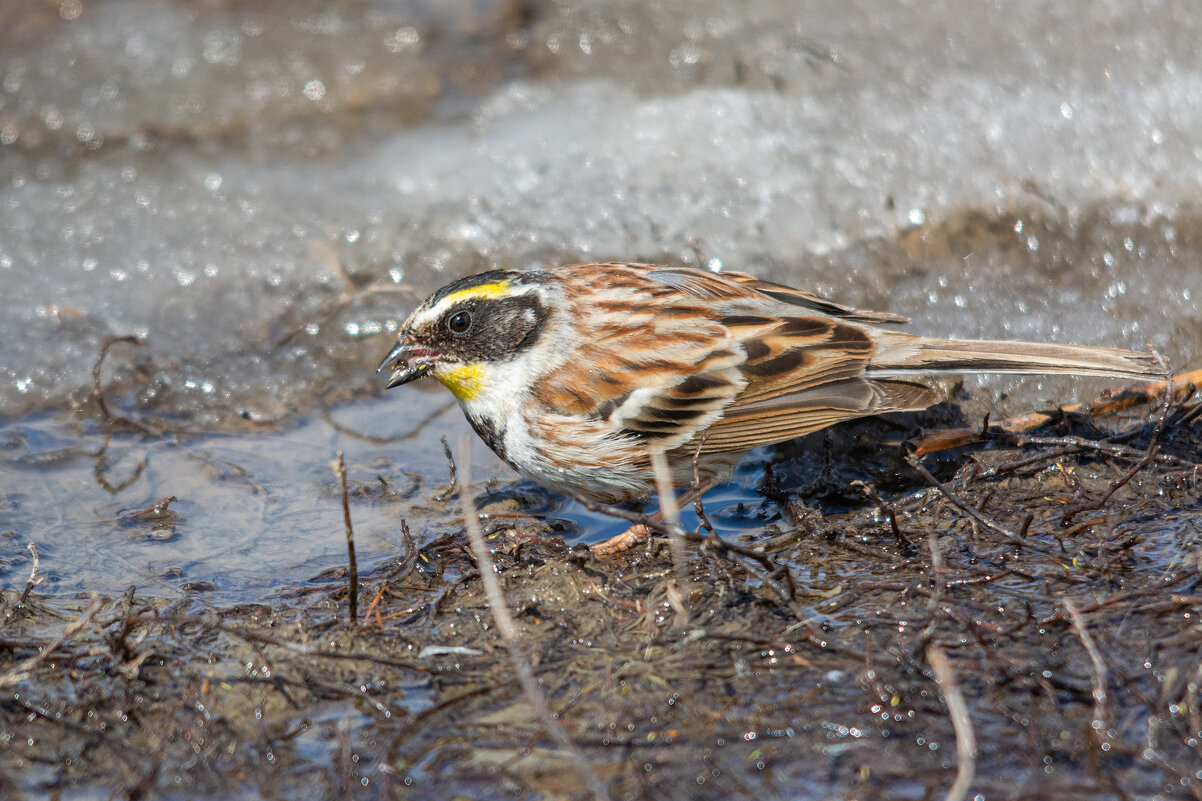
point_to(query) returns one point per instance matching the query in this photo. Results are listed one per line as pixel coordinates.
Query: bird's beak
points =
(407, 362)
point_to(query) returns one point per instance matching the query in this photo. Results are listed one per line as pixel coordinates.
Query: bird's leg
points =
(641, 532)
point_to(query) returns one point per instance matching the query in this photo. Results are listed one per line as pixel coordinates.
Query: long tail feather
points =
(907, 354)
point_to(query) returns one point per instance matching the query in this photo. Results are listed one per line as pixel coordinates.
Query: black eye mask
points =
(496, 328)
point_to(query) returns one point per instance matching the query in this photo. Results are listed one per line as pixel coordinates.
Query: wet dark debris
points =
(984, 620)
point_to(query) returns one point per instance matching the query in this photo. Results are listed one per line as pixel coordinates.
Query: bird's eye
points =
(459, 322)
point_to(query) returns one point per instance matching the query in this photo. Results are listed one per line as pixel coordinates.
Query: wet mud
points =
(1049, 581)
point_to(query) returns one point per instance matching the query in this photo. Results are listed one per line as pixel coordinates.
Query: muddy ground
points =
(1054, 582)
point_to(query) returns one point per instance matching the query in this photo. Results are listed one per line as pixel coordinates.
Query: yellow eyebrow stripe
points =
(498, 289)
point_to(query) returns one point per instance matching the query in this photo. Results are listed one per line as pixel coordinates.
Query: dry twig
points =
(35, 575)
(698, 506)
(321, 252)
(110, 419)
(1153, 448)
(1099, 667)
(1017, 537)
(509, 630)
(339, 468)
(1110, 402)
(888, 511)
(957, 709)
(452, 482)
(212, 623)
(101, 466)
(670, 512)
(23, 670)
(414, 432)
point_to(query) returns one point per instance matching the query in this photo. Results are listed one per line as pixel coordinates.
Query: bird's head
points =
(468, 330)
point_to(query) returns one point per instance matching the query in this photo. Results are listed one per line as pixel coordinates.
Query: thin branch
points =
(23, 670)
(1099, 667)
(1076, 444)
(1153, 449)
(339, 468)
(670, 512)
(509, 630)
(957, 709)
(110, 419)
(1017, 537)
(101, 466)
(698, 506)
(35, 575)
(352, 292)
(888, 511)
(1110, 401)
(211, 623)
(659, 526)
(453, 482)
(937, 570)
(412, 433)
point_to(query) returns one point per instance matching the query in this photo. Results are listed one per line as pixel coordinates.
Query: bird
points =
(575, 375)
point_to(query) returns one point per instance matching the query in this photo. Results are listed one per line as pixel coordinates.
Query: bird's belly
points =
(626, 481)
(572, 457)
(614, 484)
(584, 459)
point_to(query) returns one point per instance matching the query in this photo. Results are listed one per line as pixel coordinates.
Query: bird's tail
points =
(899, 354)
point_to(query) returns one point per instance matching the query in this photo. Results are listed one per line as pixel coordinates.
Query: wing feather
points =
(741, 286)
(721, 352)
(811, 301)
(792, 354)
(778, 419)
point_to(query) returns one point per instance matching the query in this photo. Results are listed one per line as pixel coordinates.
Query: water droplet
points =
(314, 90)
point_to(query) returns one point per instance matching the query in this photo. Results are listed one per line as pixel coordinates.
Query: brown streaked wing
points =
(676, 373)
(675, 413)
(725, 286)
(653, 359)
(776, 420)
(699, 284)
(786, 355)
(811, 301)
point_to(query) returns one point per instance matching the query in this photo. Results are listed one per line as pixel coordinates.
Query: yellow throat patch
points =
(465, 381)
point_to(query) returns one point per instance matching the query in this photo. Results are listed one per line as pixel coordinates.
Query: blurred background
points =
(259, 192)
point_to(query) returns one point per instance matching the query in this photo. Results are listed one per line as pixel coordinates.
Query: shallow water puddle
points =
(250, 511)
